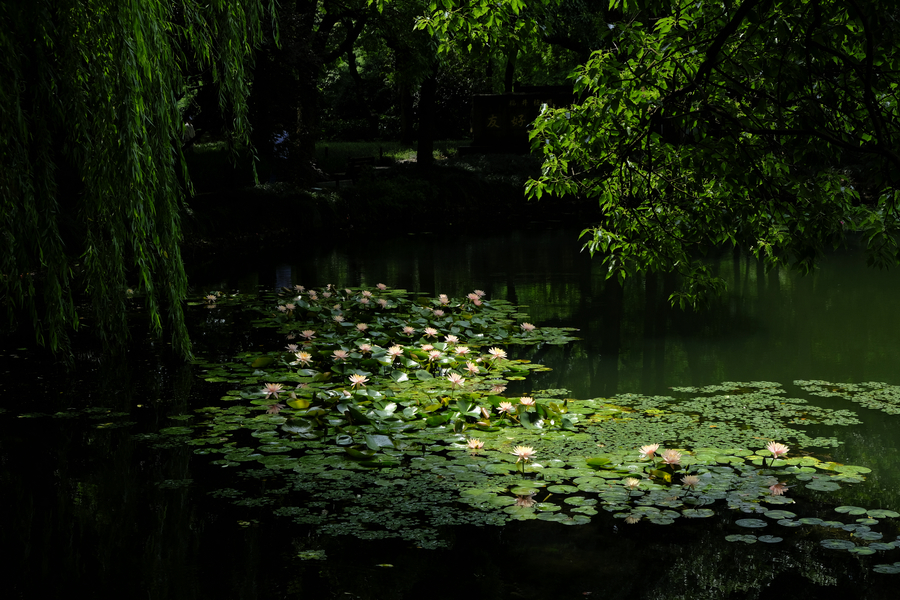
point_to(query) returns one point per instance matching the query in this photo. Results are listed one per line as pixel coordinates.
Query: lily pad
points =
(832, 544)
(887, 569)
(882, 513)
(851, 510)
(750, 523)
(747, 539)
(823, 486)
(770, 539)
(780, 514)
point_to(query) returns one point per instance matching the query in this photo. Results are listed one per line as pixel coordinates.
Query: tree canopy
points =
(766, 124)
(92, 174)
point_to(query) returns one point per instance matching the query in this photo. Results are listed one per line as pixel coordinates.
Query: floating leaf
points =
(823, 486)
(851, 510)
(881, 513)
(832, 544)
(750, 523)
(747, 539)
(770, 539)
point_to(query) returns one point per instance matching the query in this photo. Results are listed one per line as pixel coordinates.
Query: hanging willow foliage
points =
(92, 173)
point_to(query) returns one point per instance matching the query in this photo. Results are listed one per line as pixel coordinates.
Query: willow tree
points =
(92, 176)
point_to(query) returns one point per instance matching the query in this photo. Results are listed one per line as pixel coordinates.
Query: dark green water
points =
(90, 508)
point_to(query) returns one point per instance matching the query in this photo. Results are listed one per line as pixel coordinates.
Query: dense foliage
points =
(92, 173)
(767, 125)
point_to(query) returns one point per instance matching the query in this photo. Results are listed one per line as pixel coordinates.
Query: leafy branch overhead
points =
(765, 125)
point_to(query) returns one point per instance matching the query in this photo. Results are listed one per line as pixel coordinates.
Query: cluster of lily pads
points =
(386, 414)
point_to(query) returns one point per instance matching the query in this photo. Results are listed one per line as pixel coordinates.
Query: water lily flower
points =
(430, 332)
(358, 380)
(498, 389)
(304, 358)
(777, 449)
(338, 318)
(272, 389)
(472, 296)
(526, 501)
(407, 330)
(313, 295)
(632, 519)
(451, 339)
(671, 457)
(434, 355)
(439, 313)
(367, 294)
(381, 286)
(395, 351)
(472, 368)
(461, 350)
(497, 353)
(526, 327)
(778, 489)
(443, 299)
(474, 444)
(336, 307)
(365, 348)
(524, 453)
(526, 400)
(211, 298)
(291, 347)
(290, 306)
(427, 348)
(308, 334)
(362, 326)
(340, 355)
(690, 481)
(326, 294)
(363, 300)
(299, 288)
(274, 409)
(382, 302)
(505, 407)
(631, 483)
(281, 308)
(649, 450)
(479, 293)
(455, 379)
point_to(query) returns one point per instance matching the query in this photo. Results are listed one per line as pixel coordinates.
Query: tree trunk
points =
(425, 151)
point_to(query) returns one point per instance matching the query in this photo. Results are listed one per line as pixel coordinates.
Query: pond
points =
(98, 500)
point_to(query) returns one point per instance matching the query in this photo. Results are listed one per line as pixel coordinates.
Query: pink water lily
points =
(358, 380)
(525, 453)
(649, 450)
(455, 380)
(273, 389)
(777, 449)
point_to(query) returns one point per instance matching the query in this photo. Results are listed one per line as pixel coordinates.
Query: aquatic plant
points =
(396, 456)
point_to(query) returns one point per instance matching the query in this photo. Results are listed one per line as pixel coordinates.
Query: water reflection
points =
(836, 324)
